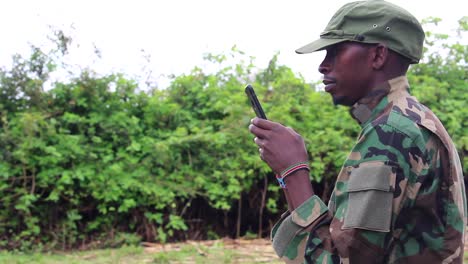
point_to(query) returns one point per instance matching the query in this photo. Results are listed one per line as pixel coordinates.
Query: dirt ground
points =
(251, 250)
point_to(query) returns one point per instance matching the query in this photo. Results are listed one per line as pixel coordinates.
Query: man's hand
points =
(279, 146)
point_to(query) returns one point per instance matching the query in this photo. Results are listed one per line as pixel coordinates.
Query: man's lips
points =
(329, 84)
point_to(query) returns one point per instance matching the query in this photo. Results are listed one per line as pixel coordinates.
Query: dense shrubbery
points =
(96, 162)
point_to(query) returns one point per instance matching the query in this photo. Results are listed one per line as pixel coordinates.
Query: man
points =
(399, 197)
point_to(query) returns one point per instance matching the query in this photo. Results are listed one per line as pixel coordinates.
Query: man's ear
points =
(380, 56)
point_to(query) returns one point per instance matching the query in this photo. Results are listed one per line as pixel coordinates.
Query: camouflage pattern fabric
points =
(399, 198)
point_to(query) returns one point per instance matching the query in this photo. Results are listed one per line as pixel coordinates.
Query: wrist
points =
(281, 177)
(299, 188)
(294, 167)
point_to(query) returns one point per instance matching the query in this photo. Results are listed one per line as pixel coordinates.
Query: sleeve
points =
(291, 236)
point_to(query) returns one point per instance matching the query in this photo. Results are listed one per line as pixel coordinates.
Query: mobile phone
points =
(257, 107)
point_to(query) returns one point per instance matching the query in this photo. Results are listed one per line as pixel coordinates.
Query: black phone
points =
(257, 107)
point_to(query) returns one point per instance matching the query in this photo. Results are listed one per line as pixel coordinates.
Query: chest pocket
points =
(370, 190)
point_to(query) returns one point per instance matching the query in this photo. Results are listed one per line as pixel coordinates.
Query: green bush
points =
(94, 160)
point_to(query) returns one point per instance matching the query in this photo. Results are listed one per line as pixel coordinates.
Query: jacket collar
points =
(368, 107)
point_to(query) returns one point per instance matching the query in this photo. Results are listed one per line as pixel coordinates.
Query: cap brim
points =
(319, 44)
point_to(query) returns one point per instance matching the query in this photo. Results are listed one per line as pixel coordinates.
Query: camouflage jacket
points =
(399, 198)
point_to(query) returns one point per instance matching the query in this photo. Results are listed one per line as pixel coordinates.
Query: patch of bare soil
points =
(246, 250)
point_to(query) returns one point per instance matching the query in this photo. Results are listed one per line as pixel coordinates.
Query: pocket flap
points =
(371, 177)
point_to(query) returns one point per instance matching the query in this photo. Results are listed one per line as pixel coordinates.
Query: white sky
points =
(176, 33)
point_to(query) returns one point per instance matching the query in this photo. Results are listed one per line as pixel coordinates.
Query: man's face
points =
(347, 72)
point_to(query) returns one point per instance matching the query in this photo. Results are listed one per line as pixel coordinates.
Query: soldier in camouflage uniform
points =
(399, 197)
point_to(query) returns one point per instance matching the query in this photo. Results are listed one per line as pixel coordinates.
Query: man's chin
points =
(341, 100)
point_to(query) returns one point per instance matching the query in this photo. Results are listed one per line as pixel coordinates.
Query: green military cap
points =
(373, 21)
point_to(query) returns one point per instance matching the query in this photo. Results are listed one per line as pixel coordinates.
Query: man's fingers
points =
(257, 131)
(260, 143)
(263, 123)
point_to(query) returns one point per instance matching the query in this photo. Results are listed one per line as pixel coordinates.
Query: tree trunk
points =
(262, 206)
(239, 215)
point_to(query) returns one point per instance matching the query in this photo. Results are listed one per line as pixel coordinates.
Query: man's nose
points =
(324, 67)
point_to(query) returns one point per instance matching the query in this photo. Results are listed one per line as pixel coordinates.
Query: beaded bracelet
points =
(288, 171)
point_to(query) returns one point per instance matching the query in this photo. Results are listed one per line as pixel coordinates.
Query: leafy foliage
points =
(441, 81)
(93, 160)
